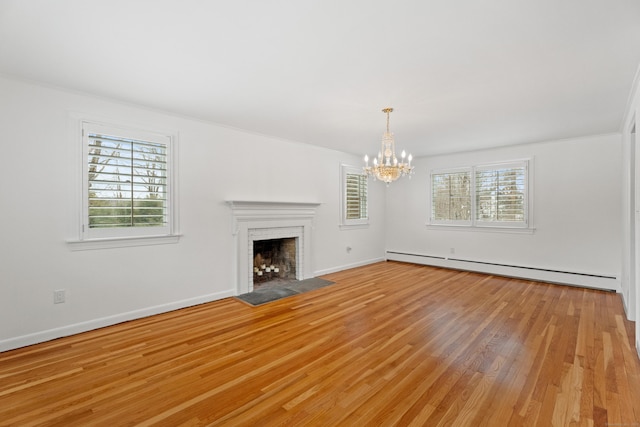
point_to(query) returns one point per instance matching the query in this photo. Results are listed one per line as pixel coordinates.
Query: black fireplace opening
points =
(274, 261)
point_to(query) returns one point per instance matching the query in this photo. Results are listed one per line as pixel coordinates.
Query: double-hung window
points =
(491, 195)
(127, 183)
(354, 194)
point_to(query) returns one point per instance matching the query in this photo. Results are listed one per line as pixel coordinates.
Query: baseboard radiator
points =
(597, 281)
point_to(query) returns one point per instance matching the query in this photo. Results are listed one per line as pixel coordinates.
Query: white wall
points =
(631, 208)
(38, 189)
(630, 189)
(577, 204)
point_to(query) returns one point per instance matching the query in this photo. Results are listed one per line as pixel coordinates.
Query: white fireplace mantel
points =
(264, 211)
(256, 220)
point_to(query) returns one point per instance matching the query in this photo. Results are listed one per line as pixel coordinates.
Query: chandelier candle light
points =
(386, 167)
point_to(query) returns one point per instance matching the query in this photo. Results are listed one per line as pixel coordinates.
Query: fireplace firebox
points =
(274, 260)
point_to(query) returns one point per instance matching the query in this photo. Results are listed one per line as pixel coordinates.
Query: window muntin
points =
(493, 195)
(126, 190)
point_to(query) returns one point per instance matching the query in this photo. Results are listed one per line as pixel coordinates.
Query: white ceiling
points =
(461, 74)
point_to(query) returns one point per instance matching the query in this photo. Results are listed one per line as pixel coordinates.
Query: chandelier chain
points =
(387, 110)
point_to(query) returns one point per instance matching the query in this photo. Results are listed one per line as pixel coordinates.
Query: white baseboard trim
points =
(347, 266)
(76, 328)
(587, 280)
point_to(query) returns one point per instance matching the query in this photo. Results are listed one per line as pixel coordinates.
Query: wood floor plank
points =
(389, 344)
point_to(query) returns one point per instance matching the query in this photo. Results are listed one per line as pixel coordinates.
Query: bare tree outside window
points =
(492, 195)
(500, 194)
(451, 196)
(127, 182)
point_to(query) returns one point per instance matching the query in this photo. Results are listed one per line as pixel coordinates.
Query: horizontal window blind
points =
(356, 196)
(451, 196)
(500, 194)
(127, 182)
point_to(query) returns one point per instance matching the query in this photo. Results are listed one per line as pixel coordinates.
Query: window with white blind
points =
(127, 189)
(354, 196)
(492, 195)
(451, 197)
(501, 195)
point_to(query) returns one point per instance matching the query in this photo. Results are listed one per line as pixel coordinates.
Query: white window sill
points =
(122, 242)
(516, 230)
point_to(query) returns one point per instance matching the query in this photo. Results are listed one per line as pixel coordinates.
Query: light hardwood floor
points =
(387, 344)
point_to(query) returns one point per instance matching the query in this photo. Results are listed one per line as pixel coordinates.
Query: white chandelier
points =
(386, 167)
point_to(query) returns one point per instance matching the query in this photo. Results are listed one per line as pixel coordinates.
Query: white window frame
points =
(344, 222)
(99, 238)
(479, 225)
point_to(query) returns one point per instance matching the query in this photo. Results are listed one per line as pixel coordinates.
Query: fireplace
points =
(274, 261)
(256, 222)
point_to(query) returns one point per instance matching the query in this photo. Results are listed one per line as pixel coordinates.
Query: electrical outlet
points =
(452, 250)
(58, 296)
